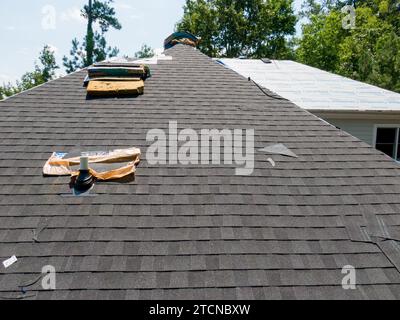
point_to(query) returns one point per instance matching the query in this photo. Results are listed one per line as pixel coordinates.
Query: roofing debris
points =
(279, 149)
(29, 284)
(117, 70)
(116, 78)
(24, 290)
(87, 168)
(154, 60)
(104, 165)
(9, 262)
(115, 87)
(158, 56)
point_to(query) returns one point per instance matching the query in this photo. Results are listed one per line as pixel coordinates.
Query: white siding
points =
(361, 128)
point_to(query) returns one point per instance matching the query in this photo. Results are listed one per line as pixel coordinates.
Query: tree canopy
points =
(44, 71)
(144, 52)
(94, 47)
(369, 52)
(234, 28)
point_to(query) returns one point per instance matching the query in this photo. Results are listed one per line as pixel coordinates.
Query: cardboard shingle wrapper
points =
(111, 87)
(104, 165)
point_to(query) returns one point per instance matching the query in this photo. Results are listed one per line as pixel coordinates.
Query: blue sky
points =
(26, 26)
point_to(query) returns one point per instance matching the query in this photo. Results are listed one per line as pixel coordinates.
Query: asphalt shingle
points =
(195, 231)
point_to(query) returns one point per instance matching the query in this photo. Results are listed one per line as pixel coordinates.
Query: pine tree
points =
(94, 46)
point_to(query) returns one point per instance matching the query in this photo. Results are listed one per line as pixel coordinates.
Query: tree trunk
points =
(89, 37)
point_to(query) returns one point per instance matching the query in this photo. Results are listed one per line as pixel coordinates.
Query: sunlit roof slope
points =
(315, 89)
(194, 231)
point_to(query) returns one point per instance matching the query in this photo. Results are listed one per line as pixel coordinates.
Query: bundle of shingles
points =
(181, 37)
(116, 79)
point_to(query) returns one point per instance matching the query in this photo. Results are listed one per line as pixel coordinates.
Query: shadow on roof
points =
(127, 96)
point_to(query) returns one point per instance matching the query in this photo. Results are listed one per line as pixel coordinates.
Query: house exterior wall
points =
(362, 129)
(361, 126)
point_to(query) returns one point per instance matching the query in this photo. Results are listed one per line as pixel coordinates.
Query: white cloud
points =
(135, 17)
(72, 15)
(6, 78)
(10, 28)
(24, 51)
(123, 6)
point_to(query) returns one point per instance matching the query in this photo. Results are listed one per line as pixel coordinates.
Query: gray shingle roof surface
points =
(194, 232)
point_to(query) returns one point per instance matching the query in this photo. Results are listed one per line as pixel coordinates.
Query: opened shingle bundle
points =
(185, 38)
(104, 165)
(114, 79)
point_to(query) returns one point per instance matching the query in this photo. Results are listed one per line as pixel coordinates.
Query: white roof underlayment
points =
(315, 89)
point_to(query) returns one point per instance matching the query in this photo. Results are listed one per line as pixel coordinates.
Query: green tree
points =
(321, 39)
(144, 52)
(48, 64)
(43, 72)
(386, 70)
(369, 52)
(233, 28)
(7, 90)
(94, 46)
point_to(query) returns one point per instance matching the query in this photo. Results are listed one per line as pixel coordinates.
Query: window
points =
(388, 141)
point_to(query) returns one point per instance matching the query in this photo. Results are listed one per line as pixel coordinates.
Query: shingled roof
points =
(194, 232)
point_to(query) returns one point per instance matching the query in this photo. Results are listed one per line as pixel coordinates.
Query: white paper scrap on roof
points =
(315, 89)
(152, 60)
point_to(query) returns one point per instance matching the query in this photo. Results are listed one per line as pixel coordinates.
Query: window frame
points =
(397, 141)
